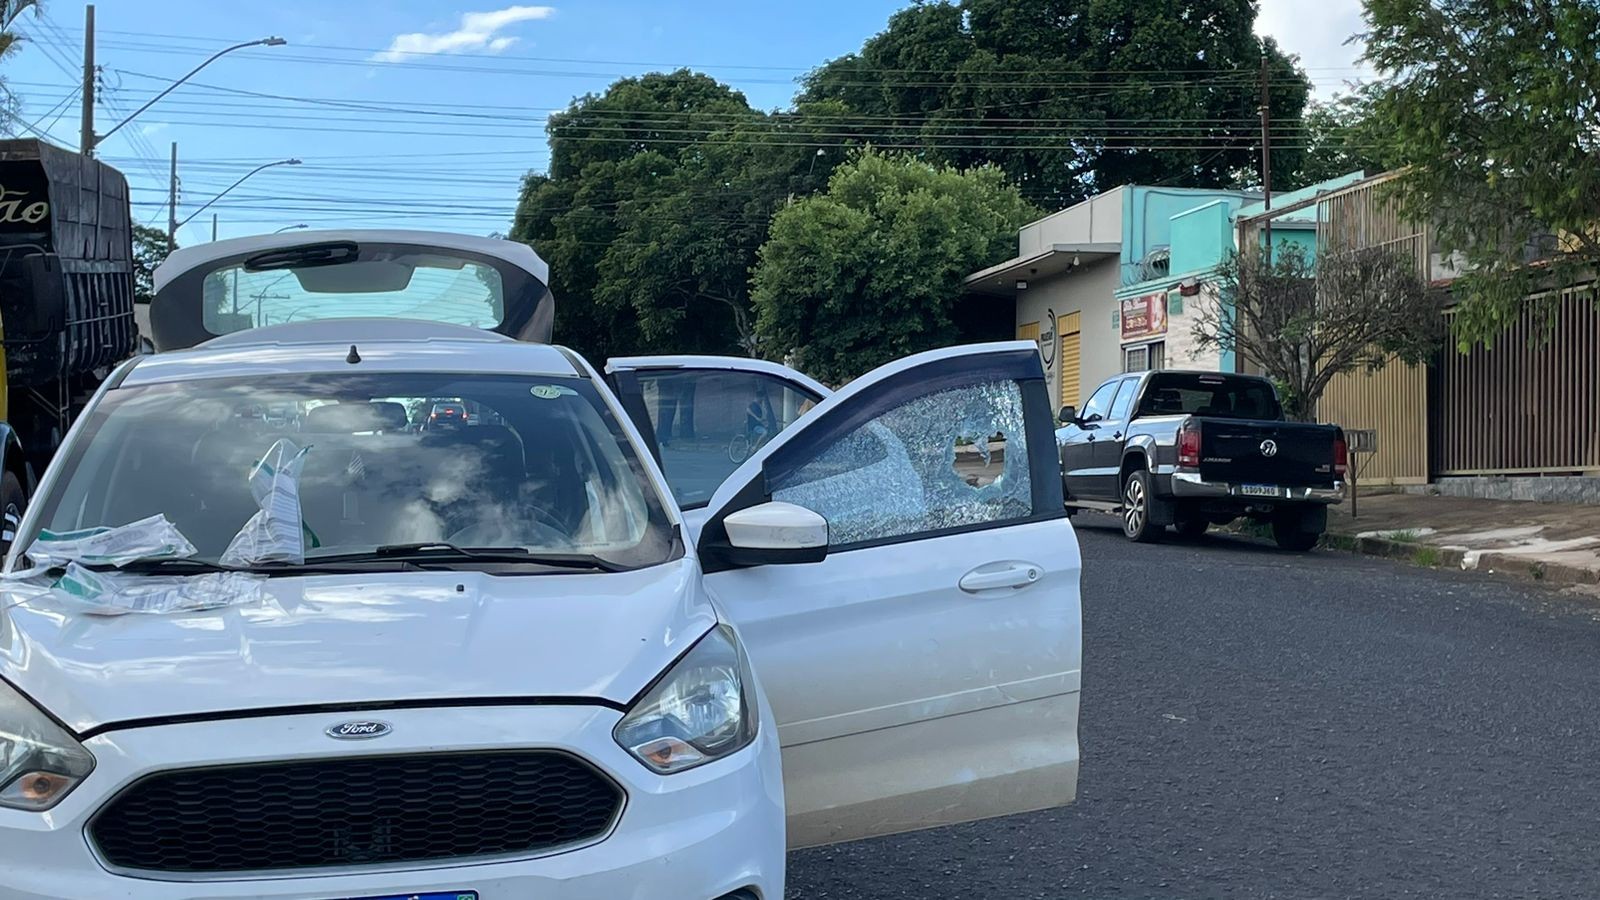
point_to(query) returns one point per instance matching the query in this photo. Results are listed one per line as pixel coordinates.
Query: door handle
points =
(998, 575)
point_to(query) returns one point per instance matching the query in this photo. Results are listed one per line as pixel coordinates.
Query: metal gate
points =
(1529, 405)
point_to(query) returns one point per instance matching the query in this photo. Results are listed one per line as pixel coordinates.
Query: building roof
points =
(1057, 259)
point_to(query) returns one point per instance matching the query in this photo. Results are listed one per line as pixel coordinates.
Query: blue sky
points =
(393, 163)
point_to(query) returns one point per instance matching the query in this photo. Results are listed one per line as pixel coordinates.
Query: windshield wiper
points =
(425, 551)
(204, 567)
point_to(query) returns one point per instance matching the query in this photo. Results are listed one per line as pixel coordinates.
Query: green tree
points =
(1338, 138)
(1071, 97)
(871, 270)
(658, 195)
(1492, 105)
(151, 247)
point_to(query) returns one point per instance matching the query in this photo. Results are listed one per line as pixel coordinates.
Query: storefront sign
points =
(1144, 316)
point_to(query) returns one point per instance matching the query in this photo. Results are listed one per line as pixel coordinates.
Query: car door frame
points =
(1113, 439)
(1077, 451)
(1045, 770)
(622, 375)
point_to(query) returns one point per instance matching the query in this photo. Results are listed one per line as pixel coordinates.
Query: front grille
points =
(355, 811)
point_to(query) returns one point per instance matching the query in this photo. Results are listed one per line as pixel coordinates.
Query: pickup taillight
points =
(1341, 456)
(1189, 445)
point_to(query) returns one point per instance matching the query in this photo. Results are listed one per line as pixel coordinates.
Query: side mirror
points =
(1069, 415)
(774, 533)
(45, 313)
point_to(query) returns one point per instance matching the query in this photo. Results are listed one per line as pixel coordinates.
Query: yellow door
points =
(1028, 332)
(1071, 356)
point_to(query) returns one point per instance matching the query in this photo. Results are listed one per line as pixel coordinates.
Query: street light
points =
(291, 228)
(281, 162)
(273, 41)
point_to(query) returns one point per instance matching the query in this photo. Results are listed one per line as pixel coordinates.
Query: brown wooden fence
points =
(1531, 404)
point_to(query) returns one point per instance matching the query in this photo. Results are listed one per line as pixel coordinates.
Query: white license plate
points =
(1260, 490)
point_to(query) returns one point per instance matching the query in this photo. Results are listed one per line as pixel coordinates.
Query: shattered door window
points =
(943, 460)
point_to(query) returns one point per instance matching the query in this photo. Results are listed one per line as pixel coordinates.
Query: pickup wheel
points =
(1136, 509)
(1290, 537)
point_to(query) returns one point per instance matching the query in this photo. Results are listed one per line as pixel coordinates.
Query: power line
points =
(213, 40)
(1213, 77)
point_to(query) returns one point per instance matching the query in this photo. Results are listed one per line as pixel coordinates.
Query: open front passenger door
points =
(923, 666)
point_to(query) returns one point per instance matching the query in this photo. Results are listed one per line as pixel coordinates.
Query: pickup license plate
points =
(430, 895)
(1260, 490)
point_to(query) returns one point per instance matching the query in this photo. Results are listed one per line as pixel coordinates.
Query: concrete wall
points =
(1090, 291)
(1147, 218)
(1202, 236)
(1097, 220)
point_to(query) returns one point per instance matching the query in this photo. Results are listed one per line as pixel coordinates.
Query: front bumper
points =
(1190, 486)
(697, 835)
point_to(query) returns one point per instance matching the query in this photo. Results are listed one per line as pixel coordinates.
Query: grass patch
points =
(1405, 536)
(1537, 571)
(1427, 556)
(1341, 542)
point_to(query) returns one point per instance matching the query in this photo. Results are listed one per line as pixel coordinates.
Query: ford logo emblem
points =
(358, 731)
(1269, 448)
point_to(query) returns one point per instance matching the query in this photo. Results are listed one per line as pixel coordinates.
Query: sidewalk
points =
(1552, 542)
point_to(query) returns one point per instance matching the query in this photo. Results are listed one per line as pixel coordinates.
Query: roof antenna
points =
(354, 357)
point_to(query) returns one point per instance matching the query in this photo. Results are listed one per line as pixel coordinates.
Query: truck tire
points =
(13, 500)
(1136, 524)
(1290, 536)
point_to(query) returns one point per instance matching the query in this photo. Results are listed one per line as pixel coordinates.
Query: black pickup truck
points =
(1193, 449)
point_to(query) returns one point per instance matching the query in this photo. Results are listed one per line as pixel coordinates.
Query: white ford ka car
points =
(499, 661)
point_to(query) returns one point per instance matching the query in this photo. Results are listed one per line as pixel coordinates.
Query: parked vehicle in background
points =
(1195, 449)
(66, 302)
(446, 416)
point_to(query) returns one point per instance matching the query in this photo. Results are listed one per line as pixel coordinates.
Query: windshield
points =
(1181, 393)
(539, 464)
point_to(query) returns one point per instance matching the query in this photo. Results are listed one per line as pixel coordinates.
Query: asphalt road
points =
(1263, 725)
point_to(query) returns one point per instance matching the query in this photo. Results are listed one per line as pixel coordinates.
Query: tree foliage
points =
(1340, 137)
(1304, 322)
(1493, 107)
(1070, 97)
(871, 269)
(151, 247)
(659, 193)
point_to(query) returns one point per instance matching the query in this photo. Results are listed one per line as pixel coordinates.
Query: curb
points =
(1487, 561)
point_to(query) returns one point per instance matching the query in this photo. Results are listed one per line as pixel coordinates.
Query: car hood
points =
(361, 639)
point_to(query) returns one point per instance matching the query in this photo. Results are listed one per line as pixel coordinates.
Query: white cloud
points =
(1317, 31)
(153, 128)
(479, 31)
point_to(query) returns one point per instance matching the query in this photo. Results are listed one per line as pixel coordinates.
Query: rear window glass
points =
(408, 283)
(1222, 396)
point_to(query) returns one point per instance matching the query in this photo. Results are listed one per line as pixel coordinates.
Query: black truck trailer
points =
(66, 301)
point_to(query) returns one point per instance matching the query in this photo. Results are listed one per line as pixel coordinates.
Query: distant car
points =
(446, 416)
(1193, 449)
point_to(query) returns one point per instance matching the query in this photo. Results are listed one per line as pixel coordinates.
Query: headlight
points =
(698, 712)
(39, 761)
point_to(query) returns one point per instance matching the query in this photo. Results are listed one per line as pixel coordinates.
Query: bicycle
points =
(741, 446)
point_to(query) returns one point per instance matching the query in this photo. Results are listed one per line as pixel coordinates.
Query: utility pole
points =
(86, 135)
(1266, 153)
(172, 198)
(213, 228)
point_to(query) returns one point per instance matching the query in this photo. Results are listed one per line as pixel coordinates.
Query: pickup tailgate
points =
(1288, 454)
